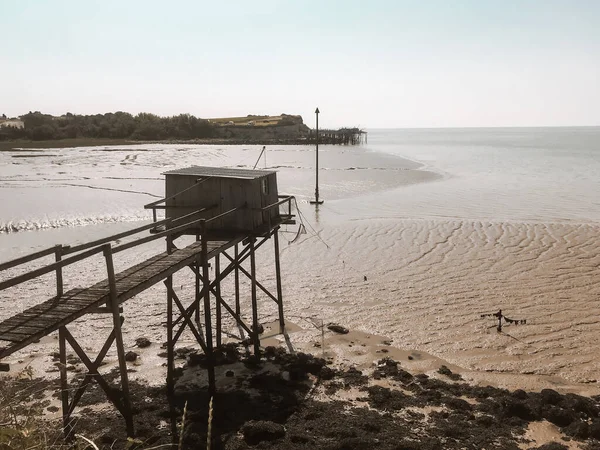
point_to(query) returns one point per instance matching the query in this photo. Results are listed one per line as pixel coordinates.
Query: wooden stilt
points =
(64, 385)
(59, 276)
(218, 303)
(278, 278)
(237, 280)
(255, 337)
(170, 343)
(207, 318)
(119, 339)
(197, 293)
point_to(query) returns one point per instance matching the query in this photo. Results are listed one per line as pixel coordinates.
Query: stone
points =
(142, 342)
(338, 328)
(131, 356)
(257, 431)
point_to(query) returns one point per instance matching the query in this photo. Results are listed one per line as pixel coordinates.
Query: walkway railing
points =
(174, 226)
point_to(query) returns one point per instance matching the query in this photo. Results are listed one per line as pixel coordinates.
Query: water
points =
(445, 224)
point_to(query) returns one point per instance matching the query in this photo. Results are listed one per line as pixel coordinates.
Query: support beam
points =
(96, 364)
(114, 303)
(254, 302)
(187, 321)
(258, 284)
(236, 279)
(207, 318)
(58, 250)
(223, 303)
(170, 342)
(64, 385)
(218, 303)
(278, 278)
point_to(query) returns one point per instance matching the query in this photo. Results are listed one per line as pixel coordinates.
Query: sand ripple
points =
(428, 282)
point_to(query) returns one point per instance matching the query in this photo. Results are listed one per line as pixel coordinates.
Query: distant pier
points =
(342, 136)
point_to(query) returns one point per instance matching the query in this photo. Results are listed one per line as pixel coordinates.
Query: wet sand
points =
(435, 257)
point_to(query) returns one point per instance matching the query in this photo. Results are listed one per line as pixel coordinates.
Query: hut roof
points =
(224, 172)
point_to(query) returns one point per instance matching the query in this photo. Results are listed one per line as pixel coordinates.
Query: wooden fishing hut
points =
(230, 213)
(221, 189)
(239, 206)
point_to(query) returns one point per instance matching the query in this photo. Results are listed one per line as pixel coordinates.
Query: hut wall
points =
(227, 193)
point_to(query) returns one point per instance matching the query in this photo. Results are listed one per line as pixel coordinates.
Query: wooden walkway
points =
(42, 319)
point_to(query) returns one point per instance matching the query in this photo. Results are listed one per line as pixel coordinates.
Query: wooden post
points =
(278, 278)
(170, 345)
(114, 303)
(218, 303)
(254, 303)
(237, 280)
(59, 277)
(207, 318)
(197, 294)
(64, 386)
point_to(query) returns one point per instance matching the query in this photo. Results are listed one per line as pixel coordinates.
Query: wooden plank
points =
(44, 318)
(13, 337)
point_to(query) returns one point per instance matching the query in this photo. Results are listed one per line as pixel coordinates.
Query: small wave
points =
(32, 156)
(15, 226)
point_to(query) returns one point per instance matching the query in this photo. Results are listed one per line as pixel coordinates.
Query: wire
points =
(303, 219)
(261, 153)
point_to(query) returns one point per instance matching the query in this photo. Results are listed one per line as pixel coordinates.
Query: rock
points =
(595, 430)
(550, 397)
(520, 394)
(53, 408)
(326, 373)
(256, 431)
(131, 356)
(552, 446)
(578, 430)
(261, 328)
(558, 416)
(142, 342)
(445, 371)
(229, 373)
(516, 408)
(338, 328)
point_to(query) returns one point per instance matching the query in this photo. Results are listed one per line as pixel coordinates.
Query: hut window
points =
(265, 186)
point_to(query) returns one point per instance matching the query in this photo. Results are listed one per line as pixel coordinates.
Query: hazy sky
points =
(370, 63)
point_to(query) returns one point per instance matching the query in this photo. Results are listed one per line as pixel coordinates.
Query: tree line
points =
(118, 125)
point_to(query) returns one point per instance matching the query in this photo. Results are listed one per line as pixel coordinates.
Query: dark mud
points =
(273, 404)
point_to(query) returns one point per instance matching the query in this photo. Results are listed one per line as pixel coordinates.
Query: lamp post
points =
(316, 201)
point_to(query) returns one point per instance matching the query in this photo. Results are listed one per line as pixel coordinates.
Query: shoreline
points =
(9, 146)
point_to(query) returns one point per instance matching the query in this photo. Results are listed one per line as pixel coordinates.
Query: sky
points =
(372, 64)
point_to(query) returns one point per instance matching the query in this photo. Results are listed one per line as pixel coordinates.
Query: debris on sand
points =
(338, 328)
(142, 342)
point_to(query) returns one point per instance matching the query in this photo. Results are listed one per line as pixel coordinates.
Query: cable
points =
(261, 153)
